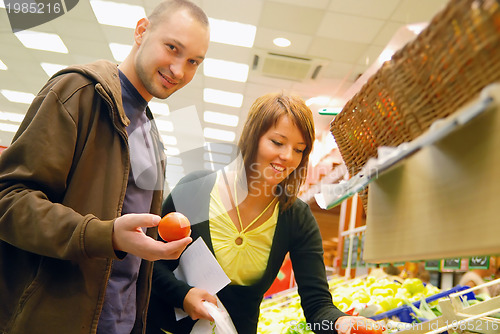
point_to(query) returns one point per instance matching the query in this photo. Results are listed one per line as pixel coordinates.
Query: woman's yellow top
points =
(243, 263)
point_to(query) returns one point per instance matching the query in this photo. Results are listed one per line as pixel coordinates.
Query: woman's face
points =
(279, 153)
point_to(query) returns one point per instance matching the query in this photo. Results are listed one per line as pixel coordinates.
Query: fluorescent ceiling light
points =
(233, 33)
(2, 4)
(213, 166)
(117, 14)
(166, 126)
(120, 51)
(174, 161)
(11, 117)
(159, 109)
(169, 140)
(223, 69)
(222, 97)
(321, 100)
(385, 56)
(41, 41)
(8, 127)
(18, 97)
(220, 118)
(282, 42)
(417, 28)
(223, 135)
(3, 66)
(219, 147)
(52, 69)
(175, 169)
(172, 150)
(215, 157)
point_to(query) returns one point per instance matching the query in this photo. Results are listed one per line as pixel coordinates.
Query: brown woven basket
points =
(432, 76)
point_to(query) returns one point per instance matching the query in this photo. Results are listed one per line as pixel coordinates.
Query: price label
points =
(433, 265)
(479, 262)
(361, 262)
(354, 257)
(452, 263)
(345, 252)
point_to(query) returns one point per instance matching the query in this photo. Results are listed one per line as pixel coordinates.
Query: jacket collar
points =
(105, 73)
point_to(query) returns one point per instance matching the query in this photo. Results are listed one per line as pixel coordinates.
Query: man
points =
(80, 186)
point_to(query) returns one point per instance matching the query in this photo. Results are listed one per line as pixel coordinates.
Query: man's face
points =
(170, 51)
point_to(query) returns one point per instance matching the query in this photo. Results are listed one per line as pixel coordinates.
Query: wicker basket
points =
(446, 66)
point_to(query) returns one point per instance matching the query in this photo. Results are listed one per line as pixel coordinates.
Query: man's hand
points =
(193, 304)
(129, 237)
(358, 325)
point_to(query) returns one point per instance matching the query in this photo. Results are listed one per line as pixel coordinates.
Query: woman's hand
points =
(193, 304)
(358, 325)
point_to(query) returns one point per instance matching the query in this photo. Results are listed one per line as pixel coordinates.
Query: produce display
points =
(366, 296)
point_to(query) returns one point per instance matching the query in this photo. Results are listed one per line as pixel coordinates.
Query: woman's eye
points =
(277, 143)
(299, 151)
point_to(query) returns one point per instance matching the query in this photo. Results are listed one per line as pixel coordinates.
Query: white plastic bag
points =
(222, 324)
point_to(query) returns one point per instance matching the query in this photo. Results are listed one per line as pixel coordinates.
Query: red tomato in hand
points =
(369, 329)
(174, 226)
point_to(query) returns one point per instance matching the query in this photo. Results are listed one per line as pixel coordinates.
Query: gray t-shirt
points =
(119, 310)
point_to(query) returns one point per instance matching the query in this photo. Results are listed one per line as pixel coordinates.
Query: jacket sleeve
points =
(34, 172)
(306, 253)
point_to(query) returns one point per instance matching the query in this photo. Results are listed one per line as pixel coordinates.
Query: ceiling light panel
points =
(41, 41)
(220, 118)
(120, 51)
(17, 97)
(222, 97)
(223, 69)
(159, 109)
(223, 135)
(106, 13)
(8, 127)
(52, 69)
(169, 140)
(220, 147)
(11, 117)
(3, 66)
(232, 33)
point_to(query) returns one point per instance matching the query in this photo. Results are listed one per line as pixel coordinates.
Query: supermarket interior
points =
(402, 179)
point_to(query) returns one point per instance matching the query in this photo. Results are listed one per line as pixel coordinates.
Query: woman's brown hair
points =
(265, 113)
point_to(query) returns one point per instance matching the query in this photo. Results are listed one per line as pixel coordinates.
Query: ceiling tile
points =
(336, 50)
(297, 19)
(349, 28)
(379, 9)
(370, 55)
(387, 32)
(407, 12)
(320, 4)
(230, 53)
(242, 11)
(264, 40)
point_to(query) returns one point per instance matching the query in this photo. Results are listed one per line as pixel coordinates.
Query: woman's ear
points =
(140, 30)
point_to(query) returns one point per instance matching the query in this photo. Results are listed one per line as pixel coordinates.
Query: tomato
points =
(174, 226)
(367, 327)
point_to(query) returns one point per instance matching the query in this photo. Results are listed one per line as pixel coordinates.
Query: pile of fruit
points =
(364, 296)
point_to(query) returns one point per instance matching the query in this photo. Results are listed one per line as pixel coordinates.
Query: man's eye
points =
(171, 47)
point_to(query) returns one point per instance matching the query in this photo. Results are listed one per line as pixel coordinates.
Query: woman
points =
(250, 220)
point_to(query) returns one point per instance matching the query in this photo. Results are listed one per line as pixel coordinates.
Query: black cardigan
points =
(296, 232)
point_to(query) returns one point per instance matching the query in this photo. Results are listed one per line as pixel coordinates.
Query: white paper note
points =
(199, 268)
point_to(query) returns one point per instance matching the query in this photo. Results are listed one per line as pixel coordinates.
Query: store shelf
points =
(442, 201)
